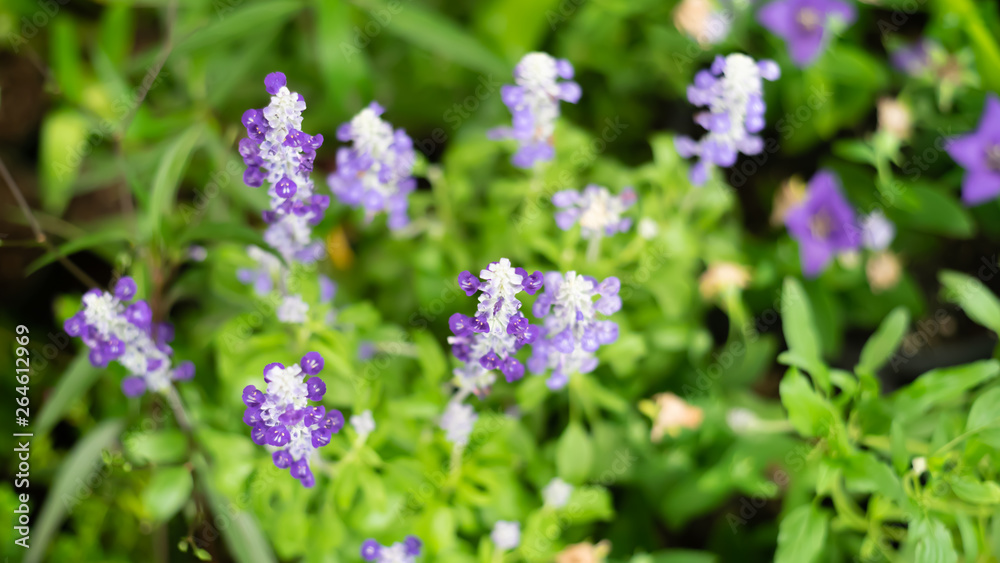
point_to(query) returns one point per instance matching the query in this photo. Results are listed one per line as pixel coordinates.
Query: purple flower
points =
(488, 341)
(125, 289)
(114, 330)
(281, 417)
(278, 153)
(404, 552)
(824, 223)
(914, 59)
(598, 212)
(572, 331)
(804, 24)
(534, 104)
(979, 153)
(732, 91)
(376, 171)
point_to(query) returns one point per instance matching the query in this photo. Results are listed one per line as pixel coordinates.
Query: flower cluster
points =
(375, 172)
(282, 418)
(276, 151)
(489, 340)
(804, 24)
(405, 552)
(732, 92)
(534, 105)
(598, 212)
(572, 332)
(115, 330)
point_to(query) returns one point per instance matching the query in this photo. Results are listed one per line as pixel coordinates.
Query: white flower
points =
(197, 253)
(506, 535)
(556, 494)
(286, 386)
(457, 422)
(877, 232)
(293, 310)
(371, 133)
(648, 229)
(742, 420)
(395, 553)
(364, 423)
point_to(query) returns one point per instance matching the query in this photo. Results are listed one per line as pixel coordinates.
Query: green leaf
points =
(115, 34)
(976, 300)
(159, 447)
(929, 209)
(855, 151)
(102, 238)
(66, 63)
(244, 539)
(437, 34)
(168, 176)
(809, 413)
(589, 504)
(251, 20)
(800, 331)
(63, 146)
(940, 386)
(974, 491)
(433, 364)
(933, 542)
(574, 454)
(866, 473)
(881, 345)
(984, 417)
(340, 60)
(678, 556)
(167, 492)
(81, 463)
(239, 233)
(983, 40)
(802, 535)
(70, 387)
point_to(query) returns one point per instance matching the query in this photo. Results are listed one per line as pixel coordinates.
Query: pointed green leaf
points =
(883, 343)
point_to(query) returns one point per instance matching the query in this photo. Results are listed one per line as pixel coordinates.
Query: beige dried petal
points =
(584, 552)
(721, 277)
(894, 117)
(673, 414)
(884, 271)
(791, 192)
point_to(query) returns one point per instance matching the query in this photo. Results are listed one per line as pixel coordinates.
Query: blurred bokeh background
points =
(102, 102)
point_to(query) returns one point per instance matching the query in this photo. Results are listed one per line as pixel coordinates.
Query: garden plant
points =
(573, 281)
